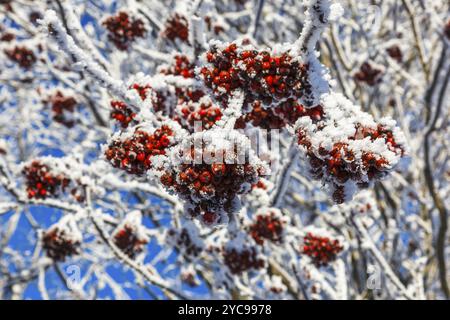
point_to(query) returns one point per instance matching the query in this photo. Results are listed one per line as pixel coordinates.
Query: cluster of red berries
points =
(123, 29)
(262, 76)
(395, 53)
(341, 164)
(134, 155)
(58, 246)
(61, 106)
(203, 112)
(128, 242)
(176, 28)
(211, 188)
(242, 260)
(23, 56)
(267, 226)
(41, 183)
(182, 67)
(368, 74)
(183, 242)
(122, 113)
(6, 36)
(287, 112)
(322, 250)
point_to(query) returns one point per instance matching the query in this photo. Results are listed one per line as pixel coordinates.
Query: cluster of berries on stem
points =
(23, 56)
(134, 154)
(41, 183)
(124, 29)
(369, 74)
(176, 27)
(322, 250)
(128, 241)
(263, 76)
(58, 245)
(268, 225)
(122, 113)
(63, 108)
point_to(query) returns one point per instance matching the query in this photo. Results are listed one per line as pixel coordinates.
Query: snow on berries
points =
(241, 255)
(348, 150)
(176, 27)
(133, 150)
(49, 177)
(21, 55)
(62, 240)
(63, 107)
(268, 224)
(320, 247)
(266, 76)
(204, 113)
(130, 236)
(122, 113)
(186, 240)
(182, 67)
(369, 73)
(124, 29)
(41, 182)
(209, 170)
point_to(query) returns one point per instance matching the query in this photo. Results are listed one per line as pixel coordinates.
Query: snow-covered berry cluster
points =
(176, 27)
(21, 55)
(321, 249)
(63, 108)
(285, 113)
(395, 53)
(369, 74)
(182, 67)
(124, 29)
(268, 77)
(212, 169)
(41, 182)
(186, 240)
(268, 224)
(130, 236)
(203, 113)
(122, 113)
(348, 150)
(241, 255)
(62, 240)
(134, 152)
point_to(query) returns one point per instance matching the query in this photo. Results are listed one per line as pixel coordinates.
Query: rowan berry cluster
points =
(62, 240)
(182, 67)
(322, 250)
(23, 56)
(348, 154)
(285, 113)
(63, 108)
(212, 175)
(202, 112)
(124, 29)
(41, 182)
(176, 27)
(264, 76)
(134, 154)
(186, 240)
(130, 235)
(242, 259)
(268, 224)
(127, 241)
(122, 113)
(369, 74)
